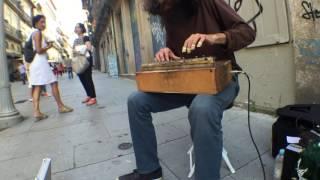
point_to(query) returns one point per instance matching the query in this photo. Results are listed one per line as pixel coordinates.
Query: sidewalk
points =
(84, 144)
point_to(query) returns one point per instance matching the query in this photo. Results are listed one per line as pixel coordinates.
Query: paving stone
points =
(118, 109)
(253, 171)
(116, 123)
(27, 167)
(119, 124)
(105, 170)
(170, 116)
(57, 121)
(59, 139)
(228, 178)
(99, 151)
(18, 129)
(182, 124)
(8, 146)
(174, 156)
(238, 143)
(167, 133)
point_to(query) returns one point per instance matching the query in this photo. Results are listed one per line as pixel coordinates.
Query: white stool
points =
(224, 156)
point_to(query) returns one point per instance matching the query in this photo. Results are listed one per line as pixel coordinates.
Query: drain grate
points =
(21, 101)
(125, 146)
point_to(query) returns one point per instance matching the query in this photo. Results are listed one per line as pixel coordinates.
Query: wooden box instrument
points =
(189, 76)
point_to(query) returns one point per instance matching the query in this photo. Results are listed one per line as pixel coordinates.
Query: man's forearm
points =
(219, 38)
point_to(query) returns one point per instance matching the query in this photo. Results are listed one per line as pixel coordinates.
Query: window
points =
(18, 48)
(11, 17)
(7, 45)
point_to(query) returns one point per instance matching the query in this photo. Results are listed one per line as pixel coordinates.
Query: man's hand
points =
(165, 54)
(197, 40)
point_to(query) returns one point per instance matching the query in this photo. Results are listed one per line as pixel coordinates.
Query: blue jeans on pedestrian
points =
(205, 115)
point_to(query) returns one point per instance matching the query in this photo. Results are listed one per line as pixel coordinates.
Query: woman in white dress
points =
(40, 71)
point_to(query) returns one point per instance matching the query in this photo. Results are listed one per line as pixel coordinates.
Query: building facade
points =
(283, 62)
(53, 32)
(17, 16)
(18, 27)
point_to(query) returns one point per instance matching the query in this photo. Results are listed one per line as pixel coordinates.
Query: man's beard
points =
(167, 5)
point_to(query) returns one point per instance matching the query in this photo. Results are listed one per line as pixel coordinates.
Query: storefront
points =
(14, 57)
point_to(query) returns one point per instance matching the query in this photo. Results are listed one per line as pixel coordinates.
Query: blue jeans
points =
(205, 115)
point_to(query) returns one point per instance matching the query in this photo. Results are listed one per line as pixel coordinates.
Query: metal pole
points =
(9, 115)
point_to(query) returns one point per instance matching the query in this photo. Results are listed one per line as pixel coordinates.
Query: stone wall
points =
(305, 22)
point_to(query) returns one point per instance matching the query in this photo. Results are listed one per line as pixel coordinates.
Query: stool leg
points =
(226, 159)
(192, 165)
(224, 155)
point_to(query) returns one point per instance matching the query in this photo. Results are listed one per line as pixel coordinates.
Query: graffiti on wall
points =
(310, 12)
(158, 33)
(238, 4)
(113, 65)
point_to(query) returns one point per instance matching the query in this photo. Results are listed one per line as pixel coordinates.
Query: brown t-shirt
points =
(212, 16)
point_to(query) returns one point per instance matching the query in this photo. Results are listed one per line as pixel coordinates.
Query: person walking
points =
(55, 70)
(40, 71)
(86, 76)
(70, 72)
(23, 73)
(44, 91)
(60, 69)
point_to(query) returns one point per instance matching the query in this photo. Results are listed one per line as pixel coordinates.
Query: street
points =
(84, 145)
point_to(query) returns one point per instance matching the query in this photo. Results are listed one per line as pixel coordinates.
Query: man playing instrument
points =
(194, 28)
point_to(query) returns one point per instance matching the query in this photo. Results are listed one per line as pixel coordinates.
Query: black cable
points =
(249, 120)
(249, 125)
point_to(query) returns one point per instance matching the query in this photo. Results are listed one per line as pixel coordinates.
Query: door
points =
(123, 58)
(135, 34)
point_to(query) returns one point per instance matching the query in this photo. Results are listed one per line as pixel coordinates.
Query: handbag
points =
(80, 64)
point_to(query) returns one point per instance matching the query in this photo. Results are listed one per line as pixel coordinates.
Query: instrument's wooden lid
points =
(204, 62)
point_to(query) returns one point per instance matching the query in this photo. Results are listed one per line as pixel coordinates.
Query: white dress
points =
(40, 70)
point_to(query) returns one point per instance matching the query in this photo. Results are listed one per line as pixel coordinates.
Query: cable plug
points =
(237, 72)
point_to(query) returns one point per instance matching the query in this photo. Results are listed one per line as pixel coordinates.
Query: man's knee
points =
(137, 100)
(205, 115)
(133, 98)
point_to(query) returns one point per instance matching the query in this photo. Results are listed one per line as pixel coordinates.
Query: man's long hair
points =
(179, 10)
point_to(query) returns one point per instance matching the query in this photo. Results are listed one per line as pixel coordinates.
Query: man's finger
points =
(195, 41)
(173, 56)
(201, 41)
(161, 57)
(157, 57)
(184, 48)
(166, 55)
(189, 44)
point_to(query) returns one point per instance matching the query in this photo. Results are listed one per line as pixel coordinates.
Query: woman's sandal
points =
(86, 100)
(41, 117)
(92, 101)
(65, 109)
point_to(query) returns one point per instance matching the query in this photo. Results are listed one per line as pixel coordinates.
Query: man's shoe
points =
(155, 175)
